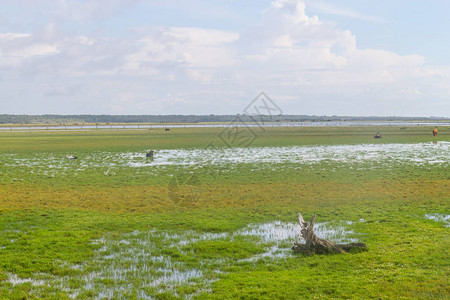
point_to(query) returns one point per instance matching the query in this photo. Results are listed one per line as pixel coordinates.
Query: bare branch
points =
(311, 224)
(300, 220)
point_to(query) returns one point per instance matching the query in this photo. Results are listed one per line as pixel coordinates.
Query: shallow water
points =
(439, 218)
(275, 232)
(380, 154)
(15, 280)
(422, 153)
(135, 260)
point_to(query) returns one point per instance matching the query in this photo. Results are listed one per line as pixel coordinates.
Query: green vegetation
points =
(187, 138)
(112, 224)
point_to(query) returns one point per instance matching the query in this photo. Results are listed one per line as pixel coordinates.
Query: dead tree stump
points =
(316, 245)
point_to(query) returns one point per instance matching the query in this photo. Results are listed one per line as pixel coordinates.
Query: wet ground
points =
(384, 154)
(122, 259)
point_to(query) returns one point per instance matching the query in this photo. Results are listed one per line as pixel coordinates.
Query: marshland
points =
(198, 221)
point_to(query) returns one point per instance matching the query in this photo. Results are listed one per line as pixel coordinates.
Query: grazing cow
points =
(435, 131)
(150, 153)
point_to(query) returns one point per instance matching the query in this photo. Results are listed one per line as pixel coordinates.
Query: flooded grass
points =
(213, 162)
(158, 261)
(440, 218)
(420, 154)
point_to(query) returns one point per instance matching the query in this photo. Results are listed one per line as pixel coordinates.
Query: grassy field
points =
(208, 219)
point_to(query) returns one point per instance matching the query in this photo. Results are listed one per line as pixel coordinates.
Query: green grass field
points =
(202, 222)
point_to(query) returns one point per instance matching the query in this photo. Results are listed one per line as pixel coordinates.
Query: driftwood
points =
(316, 245)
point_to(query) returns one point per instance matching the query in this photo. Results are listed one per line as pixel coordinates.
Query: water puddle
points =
(16, 280)
(441, 218)
(149, 262)
(289, 232)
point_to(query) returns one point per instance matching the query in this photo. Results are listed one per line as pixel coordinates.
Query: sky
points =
(311, 57)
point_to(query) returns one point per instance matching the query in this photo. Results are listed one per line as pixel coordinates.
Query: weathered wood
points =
(316, 245)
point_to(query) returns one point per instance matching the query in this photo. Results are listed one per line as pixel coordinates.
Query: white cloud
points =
(344, 12)
(17, 47)
(292, 56)
(74, 10)
(291, 44)
(13, 36)
(171, 53)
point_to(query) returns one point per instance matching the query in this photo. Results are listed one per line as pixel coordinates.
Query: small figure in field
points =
(377, 136)
(71, 157)
(150, 154)
(435, 132)
(166, 129)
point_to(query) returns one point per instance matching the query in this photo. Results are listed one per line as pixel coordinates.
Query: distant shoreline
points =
(168, 126)
(7, 120)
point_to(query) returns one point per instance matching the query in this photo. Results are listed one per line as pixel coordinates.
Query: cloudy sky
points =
(315, 57)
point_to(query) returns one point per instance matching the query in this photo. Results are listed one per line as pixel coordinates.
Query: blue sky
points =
(316, 57)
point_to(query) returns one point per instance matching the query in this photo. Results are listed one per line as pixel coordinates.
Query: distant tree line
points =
(81, 119)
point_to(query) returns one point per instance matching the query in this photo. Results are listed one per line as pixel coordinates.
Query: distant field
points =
(140, 140)
(213, 214)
